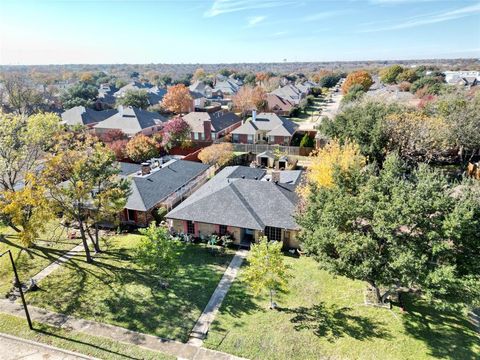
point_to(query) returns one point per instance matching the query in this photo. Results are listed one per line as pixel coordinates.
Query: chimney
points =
(146, 168)
(254, 115)
(207, 130)
(276, 176)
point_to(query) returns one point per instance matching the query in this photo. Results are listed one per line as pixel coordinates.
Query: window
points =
(190, 227)
(214, 136)
(195, 136)
(286, 140)
(222, 230)
(271, 139)
(250, 139)
(235, 138)
(273, 233)
(131, 215)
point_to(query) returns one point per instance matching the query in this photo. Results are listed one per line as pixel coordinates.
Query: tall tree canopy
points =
(80, 94)
(389, 74)
(398, 232)
(360, 77)
(135, 98)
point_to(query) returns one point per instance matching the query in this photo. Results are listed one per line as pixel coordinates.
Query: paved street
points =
(12, 348)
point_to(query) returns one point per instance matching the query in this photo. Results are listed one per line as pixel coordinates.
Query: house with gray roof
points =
(155, 94)
(155, 184)
(80, 115)
(245, 203)
(291, 93)
(210, 126)
(132, 121)
(265, 128)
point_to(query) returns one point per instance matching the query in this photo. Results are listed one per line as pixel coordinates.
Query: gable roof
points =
(79, 115)
(273, 124)
(240, 202)
(219, 120)
(276, 102)
(227, 86)
(131, 120)
(134, 85)
(149, 190)
(289, 92)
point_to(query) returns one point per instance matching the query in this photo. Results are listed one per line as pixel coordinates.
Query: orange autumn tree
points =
(178, 99)
(250, 98)
(360, 77)
(216, 154)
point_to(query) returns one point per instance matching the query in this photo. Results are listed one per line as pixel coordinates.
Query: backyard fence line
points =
(259, 148)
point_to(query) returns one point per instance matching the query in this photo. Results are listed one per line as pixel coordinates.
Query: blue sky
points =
(227, 31)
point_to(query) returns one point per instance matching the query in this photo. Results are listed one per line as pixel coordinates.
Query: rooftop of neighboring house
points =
(149, 190)
(199, 87)
(227, 86)
(220, 120)
(289, 92)
(80, 115)
(134, 85)
(131, 120)
(276, 102)
(273, 124)
(234, 198)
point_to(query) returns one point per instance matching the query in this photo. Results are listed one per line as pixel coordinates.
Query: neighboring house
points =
(132, 121)
(244, 202)
(80, 115)
(155, 185)
(105, 95)
(279, 105)
(210, 126)
(226, 87)
(154, 93)
(291, 93)
(201, 88)
(265, 128)
(451, 77)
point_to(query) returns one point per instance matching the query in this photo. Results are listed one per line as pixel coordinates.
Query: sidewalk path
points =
(56, 264)
(15, 348)
(116, 333)
(200, 329)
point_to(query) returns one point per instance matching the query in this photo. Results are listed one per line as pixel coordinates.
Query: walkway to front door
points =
(200, 329)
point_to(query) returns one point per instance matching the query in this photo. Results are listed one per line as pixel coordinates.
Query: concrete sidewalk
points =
(15, 348)
(172, 347)
(200, 329)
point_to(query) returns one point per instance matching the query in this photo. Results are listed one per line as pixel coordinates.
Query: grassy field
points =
(30, 261)
(101, 348)
(324, 318)
(115, 290)
(313, 110)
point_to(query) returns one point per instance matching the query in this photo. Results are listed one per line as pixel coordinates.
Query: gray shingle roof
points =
(273, 124)
(219, 121)
(148, 191)
(79, 115)
(131, 120)
(245, 203)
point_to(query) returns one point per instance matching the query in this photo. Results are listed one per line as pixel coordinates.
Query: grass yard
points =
(324, 318)
(115, 290)
(30, 261)
(312, 111)
(98, 347)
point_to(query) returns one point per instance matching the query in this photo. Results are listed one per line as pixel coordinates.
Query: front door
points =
(247, 238)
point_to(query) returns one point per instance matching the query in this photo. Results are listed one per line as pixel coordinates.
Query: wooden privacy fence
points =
(259, 148)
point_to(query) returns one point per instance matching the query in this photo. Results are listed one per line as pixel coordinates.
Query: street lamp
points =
(17, 283)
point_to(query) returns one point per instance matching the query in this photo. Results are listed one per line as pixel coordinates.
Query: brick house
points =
(159, 185)
(245, 203)
(279, 105)
(210, 126)
(265, 128)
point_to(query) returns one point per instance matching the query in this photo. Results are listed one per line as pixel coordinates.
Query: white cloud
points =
(229, 6)
(431, 19)
(254, 20)
(321, 15)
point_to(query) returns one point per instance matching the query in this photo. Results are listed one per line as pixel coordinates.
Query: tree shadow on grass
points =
(447, 333)
(334, 322)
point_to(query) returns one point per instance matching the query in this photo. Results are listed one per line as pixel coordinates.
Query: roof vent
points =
(146, 169)
(276, 176)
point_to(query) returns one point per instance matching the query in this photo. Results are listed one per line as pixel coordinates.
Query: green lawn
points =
(115, 290)
(30, 261)
(311, 110)
(101, 348)
(324, 317)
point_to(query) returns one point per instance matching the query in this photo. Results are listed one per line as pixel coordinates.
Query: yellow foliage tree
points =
(178, 99)
(27, 209)
(334, 156)
(216, 154)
